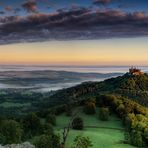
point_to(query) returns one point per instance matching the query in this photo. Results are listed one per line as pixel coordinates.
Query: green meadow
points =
(103, 134)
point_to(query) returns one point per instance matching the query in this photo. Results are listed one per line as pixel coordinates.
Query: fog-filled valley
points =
(47, 78)
(40, 78)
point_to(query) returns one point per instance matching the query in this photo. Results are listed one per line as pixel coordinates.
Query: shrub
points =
(51, 119)
(136, 138)
(90, 108)
(44, 142)
(146, 135)
(82, 142)
(56, 141)
(77, 123)
(68, 109)
(121, 110)
(104, 114)
(48, 141)
(31, 124)
(10, 132)
(60, 109)
(48, 129)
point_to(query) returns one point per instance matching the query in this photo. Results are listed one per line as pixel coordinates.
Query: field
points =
(103, 134)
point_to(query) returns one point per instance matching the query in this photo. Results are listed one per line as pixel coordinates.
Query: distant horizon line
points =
(46, 65)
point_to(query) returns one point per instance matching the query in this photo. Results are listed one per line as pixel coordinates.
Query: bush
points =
(31, 124)
(48, 129)
(90, 108)
(44, 142)
(77, 123)
(146, 135)
(82, 142)
(136, 138)
(121, 110)
(130, 121)
(104, 114)
(2, 139)
(60, 109)
(10, 132)
(48, 141)
(68, 109)
(51, 119)
(56, 141)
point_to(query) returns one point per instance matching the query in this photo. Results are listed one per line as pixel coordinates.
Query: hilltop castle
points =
(134, 71)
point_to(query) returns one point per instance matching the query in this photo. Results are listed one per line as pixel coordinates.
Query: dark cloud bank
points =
(71, 24)
(101, 2)
(30, 6)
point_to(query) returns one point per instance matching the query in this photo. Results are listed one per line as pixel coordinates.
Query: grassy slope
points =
(100, 136)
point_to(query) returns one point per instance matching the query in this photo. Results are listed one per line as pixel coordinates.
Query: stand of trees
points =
(77, 123)
(10, 132)
(13, 131)
(90, 107)
(104, 113)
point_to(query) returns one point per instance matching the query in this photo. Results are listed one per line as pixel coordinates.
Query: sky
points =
(131, 51)
(74, 32)
(52, 5)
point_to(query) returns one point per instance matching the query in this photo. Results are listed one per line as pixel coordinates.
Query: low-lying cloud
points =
(77, 23)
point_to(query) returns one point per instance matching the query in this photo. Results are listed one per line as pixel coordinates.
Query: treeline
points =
(133, 87)
(70, 95)
(13, 131)
(129, 82)
(20, 97)
(140, 97)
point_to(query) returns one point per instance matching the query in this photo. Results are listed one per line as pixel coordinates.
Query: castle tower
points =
(135, 71)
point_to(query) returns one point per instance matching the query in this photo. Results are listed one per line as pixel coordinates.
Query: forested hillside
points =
(130, 86)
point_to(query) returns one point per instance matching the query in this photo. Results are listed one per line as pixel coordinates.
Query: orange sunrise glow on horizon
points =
(86, 52)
